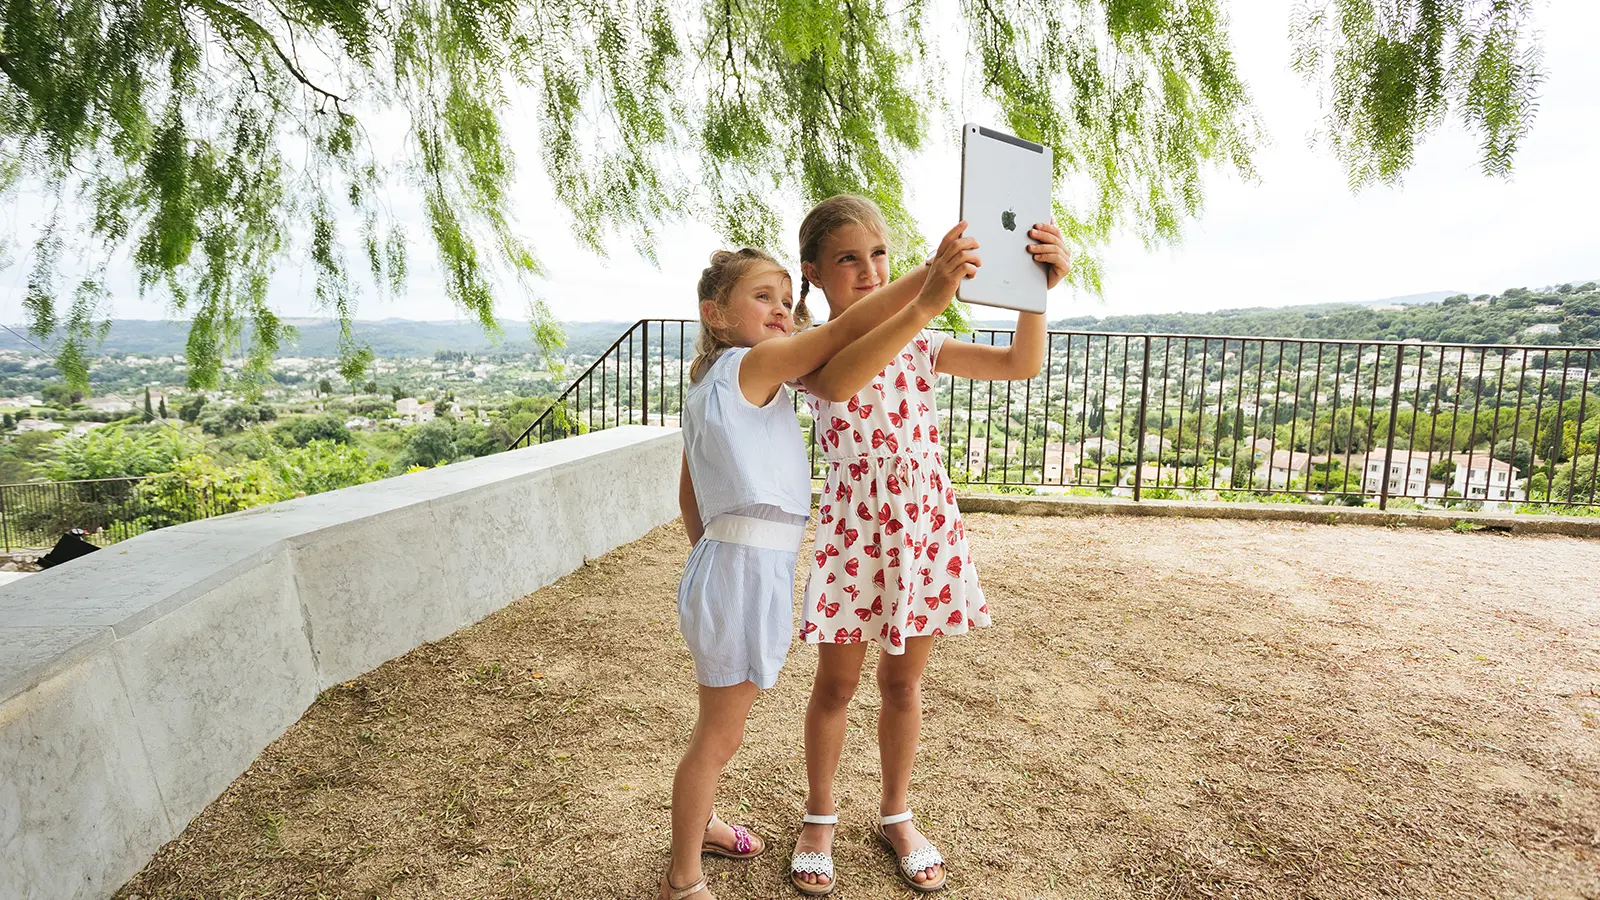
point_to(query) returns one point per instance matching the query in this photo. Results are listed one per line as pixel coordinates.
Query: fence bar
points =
(1138, 455)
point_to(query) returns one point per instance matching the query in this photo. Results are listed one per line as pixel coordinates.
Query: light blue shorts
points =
(736, 604)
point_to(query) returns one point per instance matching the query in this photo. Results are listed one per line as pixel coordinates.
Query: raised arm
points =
(846, 373)
(688, 506)
(1025, 355)
(773, 363)
(1023, 358)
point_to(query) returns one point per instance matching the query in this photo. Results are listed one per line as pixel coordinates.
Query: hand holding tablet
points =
(1005, 191)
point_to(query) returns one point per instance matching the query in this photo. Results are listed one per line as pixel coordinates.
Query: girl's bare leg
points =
(717, 734)
(838, 673)
(899, 727)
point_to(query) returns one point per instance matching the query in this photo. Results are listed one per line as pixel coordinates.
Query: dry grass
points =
(1165, 708)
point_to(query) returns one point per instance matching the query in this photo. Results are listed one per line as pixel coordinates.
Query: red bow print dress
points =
(891, 558)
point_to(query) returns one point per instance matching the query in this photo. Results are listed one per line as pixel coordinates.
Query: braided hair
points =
(829, 216)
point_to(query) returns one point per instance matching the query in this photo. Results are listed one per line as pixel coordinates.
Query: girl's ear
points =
(710, 314)
(808, 271)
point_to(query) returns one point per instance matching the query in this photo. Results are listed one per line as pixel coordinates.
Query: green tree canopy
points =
(214, 139)
(115, 453)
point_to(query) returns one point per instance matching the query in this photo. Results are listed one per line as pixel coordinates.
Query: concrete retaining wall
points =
(138, 682)
(1571, 526)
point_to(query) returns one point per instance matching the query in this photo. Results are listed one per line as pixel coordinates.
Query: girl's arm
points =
(1022, 359)
(688, 505)
(856, 321)
(1025, 356)
(773, 363)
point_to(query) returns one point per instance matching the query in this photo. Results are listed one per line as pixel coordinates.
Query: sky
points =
(1297, 234)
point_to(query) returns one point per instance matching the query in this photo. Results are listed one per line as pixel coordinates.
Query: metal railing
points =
(1148, 415)
(34, 515)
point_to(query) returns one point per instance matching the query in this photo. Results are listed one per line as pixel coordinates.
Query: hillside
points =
(1566, 315)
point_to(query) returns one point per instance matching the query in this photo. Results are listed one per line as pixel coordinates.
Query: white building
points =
(1477, 476)
(1480, 477)
(1103, 447)
(1408, 473)
(410, 411)
(1287, 465)
(26, 425)
(108, 404)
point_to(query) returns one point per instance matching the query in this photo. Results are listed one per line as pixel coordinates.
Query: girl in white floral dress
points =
(890, 565)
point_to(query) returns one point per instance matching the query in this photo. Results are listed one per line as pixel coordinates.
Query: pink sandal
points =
(744, 843)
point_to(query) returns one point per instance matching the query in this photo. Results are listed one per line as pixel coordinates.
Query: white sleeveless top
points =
(742, 455)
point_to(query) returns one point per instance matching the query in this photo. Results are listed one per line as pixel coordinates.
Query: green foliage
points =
(204, 141)
(114, 452)
(200, 486)
(1575, 481)
(1516, 452)
(374, 408)
(324, 466)
(1442, 471)
(1395, 69)
(61, 395)
(191, 408)
(443, 441)
(21, 456)
(302, 430)
(1332, 477)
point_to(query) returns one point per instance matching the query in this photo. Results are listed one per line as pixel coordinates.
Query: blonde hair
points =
(829, 216)
(716, 285)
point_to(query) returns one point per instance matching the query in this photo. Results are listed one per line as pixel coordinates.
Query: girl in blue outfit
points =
(745, 492)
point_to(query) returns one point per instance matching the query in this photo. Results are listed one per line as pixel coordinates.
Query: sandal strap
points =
(920, 859)
(680, 893)
(811, 819)
(741, 839)
(811, 863)
(897, 818)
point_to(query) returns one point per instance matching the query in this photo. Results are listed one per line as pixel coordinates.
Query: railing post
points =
(644, 368)
(1394, 415)
(5, 521)
(1138, 453)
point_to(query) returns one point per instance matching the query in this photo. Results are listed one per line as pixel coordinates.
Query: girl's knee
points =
(834, 692)
(900, 692)
(719, 746)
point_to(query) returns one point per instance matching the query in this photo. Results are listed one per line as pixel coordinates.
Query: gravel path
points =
(1164, 708)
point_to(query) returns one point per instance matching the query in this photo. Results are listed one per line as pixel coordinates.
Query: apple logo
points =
(1008, 220)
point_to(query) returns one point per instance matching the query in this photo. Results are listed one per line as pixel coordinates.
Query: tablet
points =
(1005, 188)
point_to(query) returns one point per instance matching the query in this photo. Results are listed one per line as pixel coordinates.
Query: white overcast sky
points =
(1297, 235)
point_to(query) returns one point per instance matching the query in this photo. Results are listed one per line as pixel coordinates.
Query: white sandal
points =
(813, 863)
(917, 860)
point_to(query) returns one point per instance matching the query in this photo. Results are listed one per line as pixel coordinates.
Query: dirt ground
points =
(1164, 708)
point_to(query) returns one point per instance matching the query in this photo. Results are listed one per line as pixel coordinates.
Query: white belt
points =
(751, 532)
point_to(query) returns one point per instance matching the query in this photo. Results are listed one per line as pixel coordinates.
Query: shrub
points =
(114, 452)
